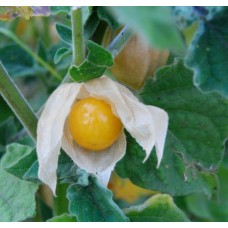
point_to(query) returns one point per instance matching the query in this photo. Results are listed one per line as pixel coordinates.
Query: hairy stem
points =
(17, 102)
(78, 54)
(12, 36)
(77, 36)
(61, 202)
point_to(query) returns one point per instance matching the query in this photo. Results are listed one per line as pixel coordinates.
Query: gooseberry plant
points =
(173, 58)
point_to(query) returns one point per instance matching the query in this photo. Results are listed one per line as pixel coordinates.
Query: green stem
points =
(119, 42)
(61, 202)
(77, 38)
(12, 36)
(78, 54)
(17, 102)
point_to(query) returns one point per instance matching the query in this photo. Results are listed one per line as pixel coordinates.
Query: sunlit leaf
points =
(63, 218)
(159, 208)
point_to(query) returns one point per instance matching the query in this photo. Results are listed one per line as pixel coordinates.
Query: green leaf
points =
(159, 208)
(60, 9)
(105, 15)
(198, 120)
(207, 54)
(17, 197)
(94, 66)
(210, 210)
(91, 25)
(61, 53)
(194, 145)
(63, 218)
(20, 198)
(156, 24)
(86, 71)
(15, 152)
(41, 51)
(173, 176)
(23, 165)
(66, 169)
(16, 61)
(65, 33)
(93, 203)
(98, 55)
(8, 130)
(32, 173)
(225, 158)
(86, 12)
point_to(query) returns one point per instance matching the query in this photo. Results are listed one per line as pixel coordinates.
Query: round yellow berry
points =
(93, 125)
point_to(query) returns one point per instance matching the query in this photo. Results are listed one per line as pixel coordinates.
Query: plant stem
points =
(119, 42)
(77, 36)
(78, 54)
(61, 202)
(12, 36)
(17, 102)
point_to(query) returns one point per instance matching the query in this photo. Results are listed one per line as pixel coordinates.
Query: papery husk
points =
(147, 124)
(136, 61)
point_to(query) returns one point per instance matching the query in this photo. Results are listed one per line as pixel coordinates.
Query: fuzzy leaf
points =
(198, 120)
(159, 208)
(194, 145)
(210, 210)
(94, 66)
(19, 168)
(63, 218)
(105, 14)
(171, 177)
(98, 55)
(66, 168)
(93, 203)
(32, 173)
(59, 9)
(65, 33)
(156, 24)
(17, 197)
(91, 25)
(207, 54)
(16, 61)
(86, 71)
(13, 157)
(61, 53)
(17, 200)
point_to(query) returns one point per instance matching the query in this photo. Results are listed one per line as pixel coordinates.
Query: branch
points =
(17, 102)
